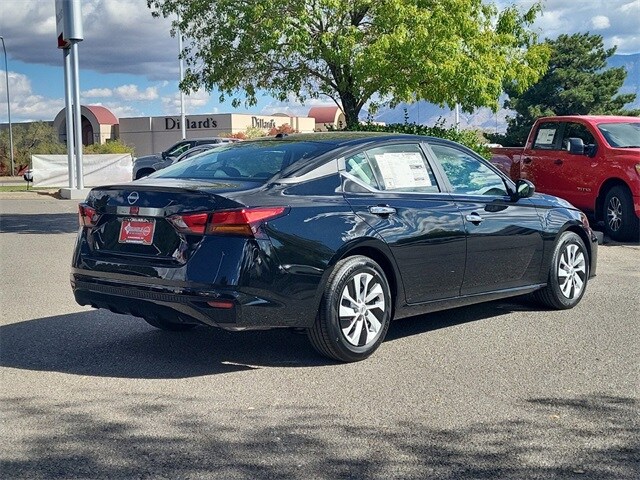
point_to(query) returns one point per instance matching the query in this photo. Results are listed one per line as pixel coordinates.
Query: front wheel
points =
(568, 273)
(620, 221)
(355, 311)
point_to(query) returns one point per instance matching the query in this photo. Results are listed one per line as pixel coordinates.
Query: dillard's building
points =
(155, 134)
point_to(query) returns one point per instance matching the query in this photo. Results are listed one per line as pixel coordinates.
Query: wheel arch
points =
(143, 172)
(379, 252)
(578, 230)
(607, 185)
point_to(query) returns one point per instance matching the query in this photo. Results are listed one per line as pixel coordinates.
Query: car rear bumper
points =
(239, 311)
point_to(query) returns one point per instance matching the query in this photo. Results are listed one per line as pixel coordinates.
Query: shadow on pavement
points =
(104, 344)
(101, 343)
(585, 437)
(44, 223)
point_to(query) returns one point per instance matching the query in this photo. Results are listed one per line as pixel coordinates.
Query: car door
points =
(394, 189)
(504, 236)
(541, 164)
(576, 174)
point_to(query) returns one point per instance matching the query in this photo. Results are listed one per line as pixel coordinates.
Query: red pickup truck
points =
(591, 161)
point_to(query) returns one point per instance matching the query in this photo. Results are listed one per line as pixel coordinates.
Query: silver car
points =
(146, 165)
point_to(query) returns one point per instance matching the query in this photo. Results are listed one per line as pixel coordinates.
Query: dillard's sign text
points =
(174, 123)
(262, 123)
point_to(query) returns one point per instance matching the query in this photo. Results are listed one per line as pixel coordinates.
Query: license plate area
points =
(137, 231)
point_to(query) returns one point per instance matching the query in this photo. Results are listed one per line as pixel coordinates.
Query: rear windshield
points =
(256, 161)
(621, 135)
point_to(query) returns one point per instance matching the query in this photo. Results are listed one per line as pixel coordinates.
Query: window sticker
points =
(546, 136)
(403, 170)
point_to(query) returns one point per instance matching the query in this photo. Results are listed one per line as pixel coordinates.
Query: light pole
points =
(183, 122)
(6, 74)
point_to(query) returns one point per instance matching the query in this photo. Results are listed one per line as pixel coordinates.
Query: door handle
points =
(474, 218)
(558, 162)
(526, 160)
(382, 210)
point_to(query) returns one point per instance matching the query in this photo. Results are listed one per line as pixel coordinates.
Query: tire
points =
(169, 326)
(620, 221)
(568, 274)
(364, 323)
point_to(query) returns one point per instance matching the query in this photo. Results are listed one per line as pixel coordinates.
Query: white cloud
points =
(25, 105)
(97, 93)
(132, 93)
(568, 17)
(192, 103)
(600, 22)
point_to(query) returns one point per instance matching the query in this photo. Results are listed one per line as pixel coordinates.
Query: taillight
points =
(244, 222)
(192, 223)
(87, 216)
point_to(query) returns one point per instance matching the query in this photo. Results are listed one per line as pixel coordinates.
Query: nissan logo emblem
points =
(133, 198)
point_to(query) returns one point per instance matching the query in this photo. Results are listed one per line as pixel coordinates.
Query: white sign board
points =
(545, 136)
(53, 170)
(403, 170)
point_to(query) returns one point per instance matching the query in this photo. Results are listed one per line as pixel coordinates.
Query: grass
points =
(22, 188)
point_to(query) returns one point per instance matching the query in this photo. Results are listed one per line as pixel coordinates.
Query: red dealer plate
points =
(137, 230)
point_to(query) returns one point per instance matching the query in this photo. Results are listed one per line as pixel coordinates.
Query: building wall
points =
(154, 134)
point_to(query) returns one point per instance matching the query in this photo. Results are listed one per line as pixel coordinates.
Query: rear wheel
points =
(169, 326)
(620, 221)
(355, 311)
(568, 273)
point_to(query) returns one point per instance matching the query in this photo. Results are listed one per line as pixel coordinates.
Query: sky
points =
(129, 61)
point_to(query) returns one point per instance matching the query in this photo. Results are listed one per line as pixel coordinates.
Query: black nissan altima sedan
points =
(336, 234)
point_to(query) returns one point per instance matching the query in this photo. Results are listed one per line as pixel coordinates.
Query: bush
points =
(284, 128)
(111, 146)
(469, 138)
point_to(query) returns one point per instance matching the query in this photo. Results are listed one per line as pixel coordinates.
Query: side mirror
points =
(575, 146)
(524, 189)
(164, 155)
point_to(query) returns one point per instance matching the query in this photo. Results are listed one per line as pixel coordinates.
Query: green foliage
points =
(28, 139)
(111, 146)
(470, 138)
(576, 83)
(353, 51)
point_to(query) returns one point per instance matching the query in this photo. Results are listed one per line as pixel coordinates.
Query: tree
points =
(357, 51)
(28, 139)
(576, 83)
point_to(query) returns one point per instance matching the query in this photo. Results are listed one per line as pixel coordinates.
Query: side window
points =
(577, 130)
(547, 136)
(401, 168)
(179, 149)
(358, 166)
(467, 174)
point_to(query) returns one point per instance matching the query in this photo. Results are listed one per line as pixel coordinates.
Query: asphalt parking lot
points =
(501, 390)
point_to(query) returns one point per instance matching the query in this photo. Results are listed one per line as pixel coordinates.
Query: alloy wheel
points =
(614, 214)
(572, 271)
(362, 306)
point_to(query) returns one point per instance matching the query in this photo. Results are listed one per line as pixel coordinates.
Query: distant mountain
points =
(632, 82)
(483, 118)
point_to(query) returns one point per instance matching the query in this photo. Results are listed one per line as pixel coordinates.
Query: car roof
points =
(340, 139)
(591, 118)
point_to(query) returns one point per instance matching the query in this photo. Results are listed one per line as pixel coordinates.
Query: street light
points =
(6, 74)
